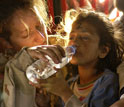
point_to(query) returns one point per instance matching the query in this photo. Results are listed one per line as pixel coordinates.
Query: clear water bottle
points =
(41, 69)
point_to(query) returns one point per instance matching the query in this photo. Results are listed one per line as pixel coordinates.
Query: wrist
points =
(67, 94)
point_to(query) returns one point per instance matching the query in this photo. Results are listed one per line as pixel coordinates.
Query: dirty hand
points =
(57, 85)
(55, 52)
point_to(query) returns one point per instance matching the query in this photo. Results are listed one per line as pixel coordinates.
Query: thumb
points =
(59, 74)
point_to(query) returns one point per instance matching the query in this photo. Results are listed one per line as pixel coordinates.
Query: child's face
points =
(26, 30)
(86, 40)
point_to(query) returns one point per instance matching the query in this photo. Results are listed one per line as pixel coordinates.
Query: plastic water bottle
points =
(41, 69)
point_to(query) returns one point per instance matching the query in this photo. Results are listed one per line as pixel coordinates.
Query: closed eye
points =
(25, 36)
(84, 38)
(71, 38)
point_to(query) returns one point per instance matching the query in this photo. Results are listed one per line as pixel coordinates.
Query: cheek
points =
(74, 60)
(19, 43)
(15, 43)
(92, 54)
(85, 54)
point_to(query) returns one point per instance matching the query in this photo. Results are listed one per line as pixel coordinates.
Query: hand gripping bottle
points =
(41, 69)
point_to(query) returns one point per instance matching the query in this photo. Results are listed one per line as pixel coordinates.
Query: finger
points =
(54, 77)
(41, 81)
(52, 52)
(59, 74)
(34, 85)
(44, 86)
(51, 80)
(36, 54)
(61, 50)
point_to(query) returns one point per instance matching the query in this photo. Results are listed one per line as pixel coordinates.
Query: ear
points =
(104, 51)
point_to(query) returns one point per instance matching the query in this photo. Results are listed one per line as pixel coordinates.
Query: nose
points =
(40, 38)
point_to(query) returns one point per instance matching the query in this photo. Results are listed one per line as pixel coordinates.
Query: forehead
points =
(84, 27)
(23, 16)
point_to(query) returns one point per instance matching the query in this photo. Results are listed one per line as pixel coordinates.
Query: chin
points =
(74, 62)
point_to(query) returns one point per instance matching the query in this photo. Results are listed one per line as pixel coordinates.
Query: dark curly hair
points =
(7, 9)
(105, 31)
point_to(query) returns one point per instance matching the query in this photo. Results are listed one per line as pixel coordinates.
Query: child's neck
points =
(87, 74)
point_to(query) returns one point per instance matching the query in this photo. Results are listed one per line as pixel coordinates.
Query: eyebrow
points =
(83, 29)
(26, 26)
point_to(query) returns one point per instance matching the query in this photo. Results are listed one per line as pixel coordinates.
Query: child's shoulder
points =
(108, 77)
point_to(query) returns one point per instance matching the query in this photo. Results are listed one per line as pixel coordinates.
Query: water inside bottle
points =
(42, 70)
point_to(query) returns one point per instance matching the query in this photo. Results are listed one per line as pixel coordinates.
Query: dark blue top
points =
(104, 93)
